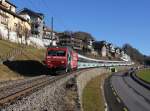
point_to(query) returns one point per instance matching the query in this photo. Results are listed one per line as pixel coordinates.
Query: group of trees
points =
(147, 60)
(79, 34)
(84, 36)
(136, 55)
(21, 31)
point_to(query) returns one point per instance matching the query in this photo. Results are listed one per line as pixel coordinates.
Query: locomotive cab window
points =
(56, 53)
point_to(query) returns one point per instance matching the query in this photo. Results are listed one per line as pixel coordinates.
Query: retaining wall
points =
(84, 78)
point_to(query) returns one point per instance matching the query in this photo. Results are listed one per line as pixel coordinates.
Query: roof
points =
(110, 44)
(12, 13)
(10, 3)
(30, 12)
(46, 28)
(100, 43)
(69, 48)
(117, 47)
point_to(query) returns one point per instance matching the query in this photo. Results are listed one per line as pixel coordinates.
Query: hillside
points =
(147, 60)
(31, 58)
(136, 55)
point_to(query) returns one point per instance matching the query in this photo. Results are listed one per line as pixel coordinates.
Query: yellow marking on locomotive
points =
(118, 99)
(125, 109)
(114, 93)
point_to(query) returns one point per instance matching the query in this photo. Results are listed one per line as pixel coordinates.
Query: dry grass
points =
(92, 96)
(30, 53)
(7, 74)
(6, 47)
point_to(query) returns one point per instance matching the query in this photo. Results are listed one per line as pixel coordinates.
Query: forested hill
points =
(135, 54)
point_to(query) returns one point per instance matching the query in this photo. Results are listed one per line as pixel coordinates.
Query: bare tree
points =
(19, 32)
(1, 35)
(8, 29)
(26, 34)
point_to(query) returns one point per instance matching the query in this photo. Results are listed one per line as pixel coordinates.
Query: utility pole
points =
(51, 31)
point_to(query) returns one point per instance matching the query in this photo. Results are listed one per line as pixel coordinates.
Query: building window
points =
(3, 18)
(15, 27)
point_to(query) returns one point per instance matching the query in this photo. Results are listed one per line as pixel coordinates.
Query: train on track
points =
(59, 58)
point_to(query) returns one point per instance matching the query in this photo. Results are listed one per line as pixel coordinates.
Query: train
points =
(86, 62)
(65, 58)
(61, 58)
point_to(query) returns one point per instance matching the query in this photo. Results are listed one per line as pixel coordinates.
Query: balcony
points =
(36, 23)
(35, 31)
(4, 4)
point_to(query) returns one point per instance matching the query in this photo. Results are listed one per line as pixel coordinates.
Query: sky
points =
(116, 21)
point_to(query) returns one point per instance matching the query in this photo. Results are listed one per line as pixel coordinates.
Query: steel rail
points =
(12, 93)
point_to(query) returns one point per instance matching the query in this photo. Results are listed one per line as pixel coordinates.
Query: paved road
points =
(134, 96)
(111, 99)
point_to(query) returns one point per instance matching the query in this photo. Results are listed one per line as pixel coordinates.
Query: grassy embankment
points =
(30, 53)
(93, 99)
(144, 74)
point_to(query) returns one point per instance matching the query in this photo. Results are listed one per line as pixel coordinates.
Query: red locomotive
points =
(61, 58)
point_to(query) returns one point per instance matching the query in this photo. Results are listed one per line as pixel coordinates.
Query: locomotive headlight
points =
(62, 62)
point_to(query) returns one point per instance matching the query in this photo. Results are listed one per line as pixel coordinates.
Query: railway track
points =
(19, 89)
(12, 93)
(12, 82)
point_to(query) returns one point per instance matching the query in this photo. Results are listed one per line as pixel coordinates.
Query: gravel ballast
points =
(62, 95)
(49, 98)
